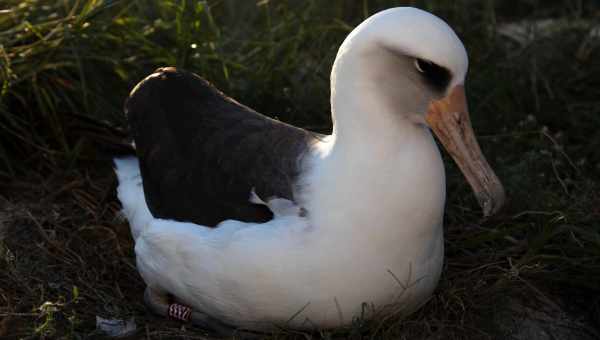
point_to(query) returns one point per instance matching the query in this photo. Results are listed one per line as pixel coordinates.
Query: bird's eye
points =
(436, 76)
(423, 65)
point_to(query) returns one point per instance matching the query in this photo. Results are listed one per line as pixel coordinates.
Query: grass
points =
(65, 68)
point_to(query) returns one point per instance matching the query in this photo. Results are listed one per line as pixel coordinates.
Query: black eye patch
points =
(436, 76)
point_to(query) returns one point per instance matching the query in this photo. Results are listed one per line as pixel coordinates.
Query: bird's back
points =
(201, 153)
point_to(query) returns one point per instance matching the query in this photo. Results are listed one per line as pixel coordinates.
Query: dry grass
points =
(66, 255)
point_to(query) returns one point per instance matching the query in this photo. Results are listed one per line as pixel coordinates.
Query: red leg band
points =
(180, 312)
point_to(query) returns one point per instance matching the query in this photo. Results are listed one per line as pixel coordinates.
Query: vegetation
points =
(66, 67)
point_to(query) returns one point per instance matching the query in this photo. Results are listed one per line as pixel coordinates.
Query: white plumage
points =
(374, 191)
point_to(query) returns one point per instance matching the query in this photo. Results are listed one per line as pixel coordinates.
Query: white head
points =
(404, 67)
(416, 35)
(405, 55)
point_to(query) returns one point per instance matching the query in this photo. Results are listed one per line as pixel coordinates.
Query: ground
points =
(66, 255)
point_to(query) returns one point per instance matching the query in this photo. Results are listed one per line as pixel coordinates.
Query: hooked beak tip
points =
(492, 202)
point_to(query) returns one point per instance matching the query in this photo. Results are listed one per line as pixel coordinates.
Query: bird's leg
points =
(159, 303)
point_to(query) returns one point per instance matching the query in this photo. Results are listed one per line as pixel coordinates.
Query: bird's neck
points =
(379, 170)
(374, 93)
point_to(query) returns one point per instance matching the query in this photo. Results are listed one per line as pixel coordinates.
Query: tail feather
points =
(131, 194)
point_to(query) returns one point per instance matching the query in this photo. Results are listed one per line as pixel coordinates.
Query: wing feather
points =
(201, 152)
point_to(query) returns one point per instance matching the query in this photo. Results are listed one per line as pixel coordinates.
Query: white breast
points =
(374, 191)
(361, 243)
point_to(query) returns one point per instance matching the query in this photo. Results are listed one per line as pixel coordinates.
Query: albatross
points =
(243, 221)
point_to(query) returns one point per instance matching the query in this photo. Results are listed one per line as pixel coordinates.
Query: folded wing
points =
(201, 153)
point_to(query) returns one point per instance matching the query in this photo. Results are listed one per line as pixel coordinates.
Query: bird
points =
(242, 221)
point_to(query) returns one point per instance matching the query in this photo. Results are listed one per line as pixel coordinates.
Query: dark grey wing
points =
(201, 153)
